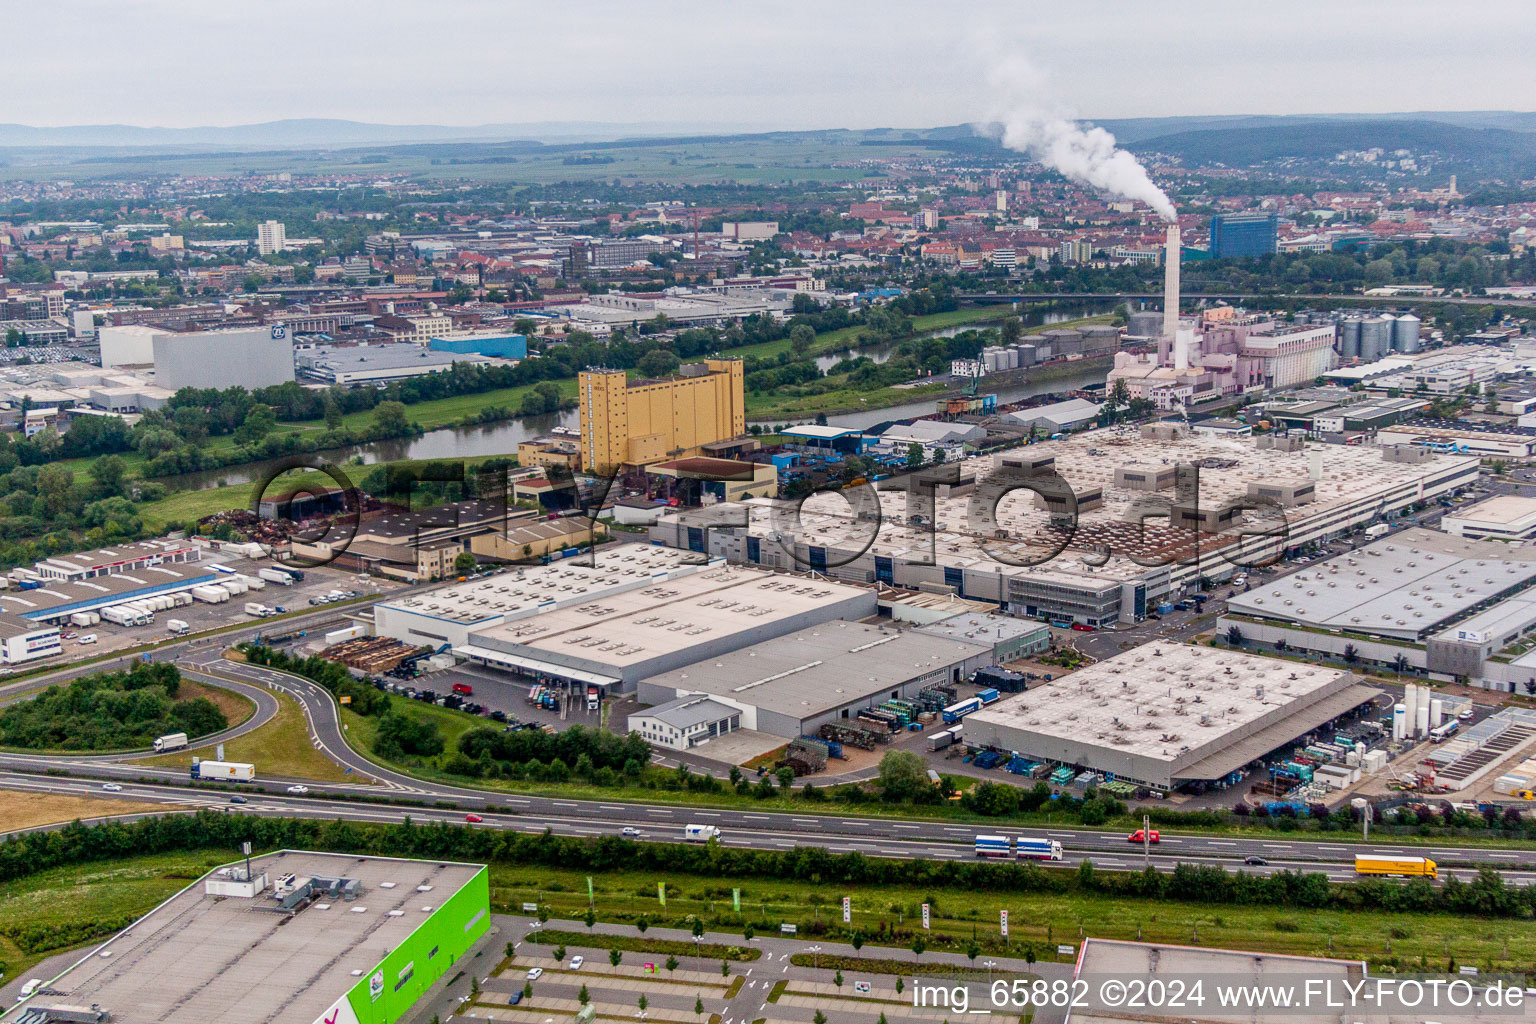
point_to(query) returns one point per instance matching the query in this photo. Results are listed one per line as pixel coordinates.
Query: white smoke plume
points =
(1026, 121)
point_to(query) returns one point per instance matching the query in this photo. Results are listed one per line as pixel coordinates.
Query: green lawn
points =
(86, 902)
(361, 729)
(844, 337)
(281, 748)
(1037, 919)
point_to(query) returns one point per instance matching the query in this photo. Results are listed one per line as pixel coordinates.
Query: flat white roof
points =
(1160, 700)
(671, 615)
(1500, 510)
(1402, 586)
(528, 589)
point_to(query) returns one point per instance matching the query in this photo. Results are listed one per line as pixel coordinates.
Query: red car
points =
(1135, 837)
(1082, 627)
(464, 688)
(473, 819)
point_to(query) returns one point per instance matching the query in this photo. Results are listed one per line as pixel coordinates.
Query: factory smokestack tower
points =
(1171, 284)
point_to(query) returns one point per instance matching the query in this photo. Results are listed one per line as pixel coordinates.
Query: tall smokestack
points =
(1171, 284)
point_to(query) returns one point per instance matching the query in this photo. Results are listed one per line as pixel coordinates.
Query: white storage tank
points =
(1405, 334)
(1410, 708)
(1436, 712)
(1399, 722)
(1423, 722)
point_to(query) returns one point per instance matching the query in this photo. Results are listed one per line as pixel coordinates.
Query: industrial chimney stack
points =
(1171, 284)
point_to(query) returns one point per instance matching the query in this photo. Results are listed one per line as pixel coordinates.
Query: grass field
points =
(281, 748)
(361, 729)
(844, 337)
(236, 707)
(87, 902)
(1041, 920)
(20, 809)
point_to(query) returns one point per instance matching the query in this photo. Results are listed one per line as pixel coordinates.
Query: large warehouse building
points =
(827, 673)
(1166, 714)
(248, 357)
(1141, 534)
(615, 640)
(1443, 605)
(449, 614)
(307, 937)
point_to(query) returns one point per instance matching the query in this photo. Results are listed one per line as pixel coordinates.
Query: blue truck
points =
(960, 709)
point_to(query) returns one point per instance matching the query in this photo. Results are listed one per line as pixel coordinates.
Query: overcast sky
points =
(785, 64)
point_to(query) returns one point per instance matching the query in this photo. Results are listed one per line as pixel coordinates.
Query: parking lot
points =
(201, 617)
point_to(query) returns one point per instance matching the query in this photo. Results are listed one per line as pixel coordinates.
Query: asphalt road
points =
(839, 833)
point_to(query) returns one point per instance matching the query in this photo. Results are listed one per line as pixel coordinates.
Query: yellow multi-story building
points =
(637, 422)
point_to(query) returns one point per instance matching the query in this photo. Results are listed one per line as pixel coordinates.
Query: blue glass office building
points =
(1240, 236)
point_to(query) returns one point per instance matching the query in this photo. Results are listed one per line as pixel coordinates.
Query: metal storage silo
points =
(1349, 338)
(1405, 334)
(1100, 339)
(1026, 354)
(1375, 338)
(1064, 342)
(1144, 324)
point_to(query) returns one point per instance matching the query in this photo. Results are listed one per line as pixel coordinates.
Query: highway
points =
(836, 831)
(871, 837)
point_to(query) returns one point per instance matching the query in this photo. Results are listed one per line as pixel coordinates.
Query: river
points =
(502, 438)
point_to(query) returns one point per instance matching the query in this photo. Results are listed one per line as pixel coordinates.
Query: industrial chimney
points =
(1171, 284)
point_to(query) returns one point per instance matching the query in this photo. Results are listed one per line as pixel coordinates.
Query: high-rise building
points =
(271, 237)
(1243, 235)
(638, 422)
(1075, 250)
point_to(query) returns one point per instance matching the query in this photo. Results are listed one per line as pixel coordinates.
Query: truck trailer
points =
(277, 576)
(178, 627)
(993, 846)
(1401, 867)
(224, 771)
(1038, 849)
(261, 611)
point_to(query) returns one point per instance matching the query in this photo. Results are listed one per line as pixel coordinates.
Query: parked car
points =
(68, 636)
(473, 819)
(577, 961)
(111, 787)
(535, 973)
(515, 998)
(298, 789)
(1082, 627)
(1136, 837)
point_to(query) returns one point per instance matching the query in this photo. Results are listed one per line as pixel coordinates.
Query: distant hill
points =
(1497, 151)
(326, 133)
(1137, 129)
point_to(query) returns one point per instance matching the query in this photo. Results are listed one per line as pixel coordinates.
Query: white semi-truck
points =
(261, 611)
(178, 627)
(170, 741)
(224, 771)
(700, 833)
(277, 576)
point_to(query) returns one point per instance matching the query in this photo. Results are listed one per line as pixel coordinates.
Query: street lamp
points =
(814, 959)
(990, 964)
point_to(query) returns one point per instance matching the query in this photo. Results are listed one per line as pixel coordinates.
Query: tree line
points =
(109, 711)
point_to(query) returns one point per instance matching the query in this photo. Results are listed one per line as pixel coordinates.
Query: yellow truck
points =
(1402, 867)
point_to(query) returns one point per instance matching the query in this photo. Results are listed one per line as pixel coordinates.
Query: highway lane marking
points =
(1170, 839)
(1223, 842)
(909, 826)
(756, 817)
(1063, 835)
